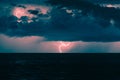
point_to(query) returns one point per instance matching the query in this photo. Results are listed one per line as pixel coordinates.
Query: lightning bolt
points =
(62, 44)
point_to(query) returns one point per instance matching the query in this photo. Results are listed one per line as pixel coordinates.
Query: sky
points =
(64, 26)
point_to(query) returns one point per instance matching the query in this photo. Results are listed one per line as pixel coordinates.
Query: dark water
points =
(59, 66)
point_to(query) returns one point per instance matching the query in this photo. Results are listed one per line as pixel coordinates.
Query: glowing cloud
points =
(65, 46)
(109, 5)
(19, 12)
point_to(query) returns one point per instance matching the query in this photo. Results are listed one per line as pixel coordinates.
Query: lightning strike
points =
(62, 45)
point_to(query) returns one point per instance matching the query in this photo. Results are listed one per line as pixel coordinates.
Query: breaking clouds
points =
(66, 21)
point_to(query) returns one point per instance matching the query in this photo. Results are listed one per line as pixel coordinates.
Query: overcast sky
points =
(77, 26)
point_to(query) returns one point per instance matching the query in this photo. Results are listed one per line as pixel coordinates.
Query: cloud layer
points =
(68, 20)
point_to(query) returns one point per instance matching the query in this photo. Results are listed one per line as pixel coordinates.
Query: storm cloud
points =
(68, 20)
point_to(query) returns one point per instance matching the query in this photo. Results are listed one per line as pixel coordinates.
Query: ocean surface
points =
(59, 66)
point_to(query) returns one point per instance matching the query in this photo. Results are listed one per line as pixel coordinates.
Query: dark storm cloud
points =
(23, 1)
(105, 1)
(92, 23)
(18, 5)
(89, 8)
(35, 12)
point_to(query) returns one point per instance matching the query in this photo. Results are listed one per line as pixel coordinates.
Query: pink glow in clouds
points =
(38, 44)
(115, 47)
(35, 44)
(63, 46)
(19, 12)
